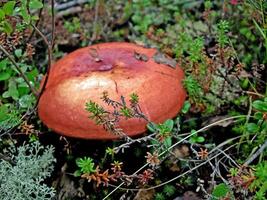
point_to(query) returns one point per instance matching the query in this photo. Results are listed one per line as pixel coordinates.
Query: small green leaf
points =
(26, 101)
(9, 7)
(7, 27)
(3, 64)
(35, 4)
(6, 94)
(252, 127)
(245, 83)
(32, 75)
(152, 127)
(260, 105)
(186, 107)
(3, 113)
(169, 124)
(35, 18)
(200, 139)
(4, 76)
(2, 14)
(258, 115)
(167, 142)
(33, 137)
(12, 90)
(18, 52)
(24, 13)
(77, 173)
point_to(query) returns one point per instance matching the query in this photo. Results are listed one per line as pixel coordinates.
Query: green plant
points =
(169, 190)
(73, 26)
(16, 97)
(260, 182)
(9, 117)
(86, 166)
(109, 119)
(195, 138)
(222, 29)
(18, 73)
(254, 126)
(23, 177)
(15, 86)
(193, 88)
(164, 134)
(25, 10)
(159, 196)
(186, 107)
(221, 191)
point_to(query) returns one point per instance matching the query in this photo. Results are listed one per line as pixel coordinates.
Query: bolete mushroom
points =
(120, 69)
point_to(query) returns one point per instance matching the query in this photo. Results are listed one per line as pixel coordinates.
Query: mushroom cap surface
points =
(86, 73)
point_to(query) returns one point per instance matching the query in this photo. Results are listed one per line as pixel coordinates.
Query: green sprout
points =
(86, 166)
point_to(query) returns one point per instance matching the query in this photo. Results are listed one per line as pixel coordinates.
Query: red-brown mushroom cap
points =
(86, 73)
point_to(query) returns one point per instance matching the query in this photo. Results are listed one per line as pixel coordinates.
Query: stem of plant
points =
(49, 49)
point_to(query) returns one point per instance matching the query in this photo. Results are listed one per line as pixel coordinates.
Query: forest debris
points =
(94, 54)
(69, 11)
(218, 118)
(145, 195)
(162, 59)
(140, 56)
(189, 195)
(64, 6)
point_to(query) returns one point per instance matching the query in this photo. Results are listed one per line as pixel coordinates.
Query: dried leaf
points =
(218, 118)
(140, 56)
(145, 195)
(162, 59)
(94, 54)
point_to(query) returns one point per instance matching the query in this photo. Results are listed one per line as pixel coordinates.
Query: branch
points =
(94, 35)
(49, 48)
(37, 22)
(53, 23)
(20, 71)
(255, 155)
(171, 147)
(69, 4)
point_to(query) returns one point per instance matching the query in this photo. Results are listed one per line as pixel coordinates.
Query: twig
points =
(175, 178)
(37, 22)
(138, 140)
(255, 93)
(255, 155)
(53, 24)
(246, 122)
(95, 21)
(49, 61)
(69, 11)
(49, 49)
(180, 141)
(20, 71)
(70, 4)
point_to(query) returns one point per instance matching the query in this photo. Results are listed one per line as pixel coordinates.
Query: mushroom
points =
(120, 69)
